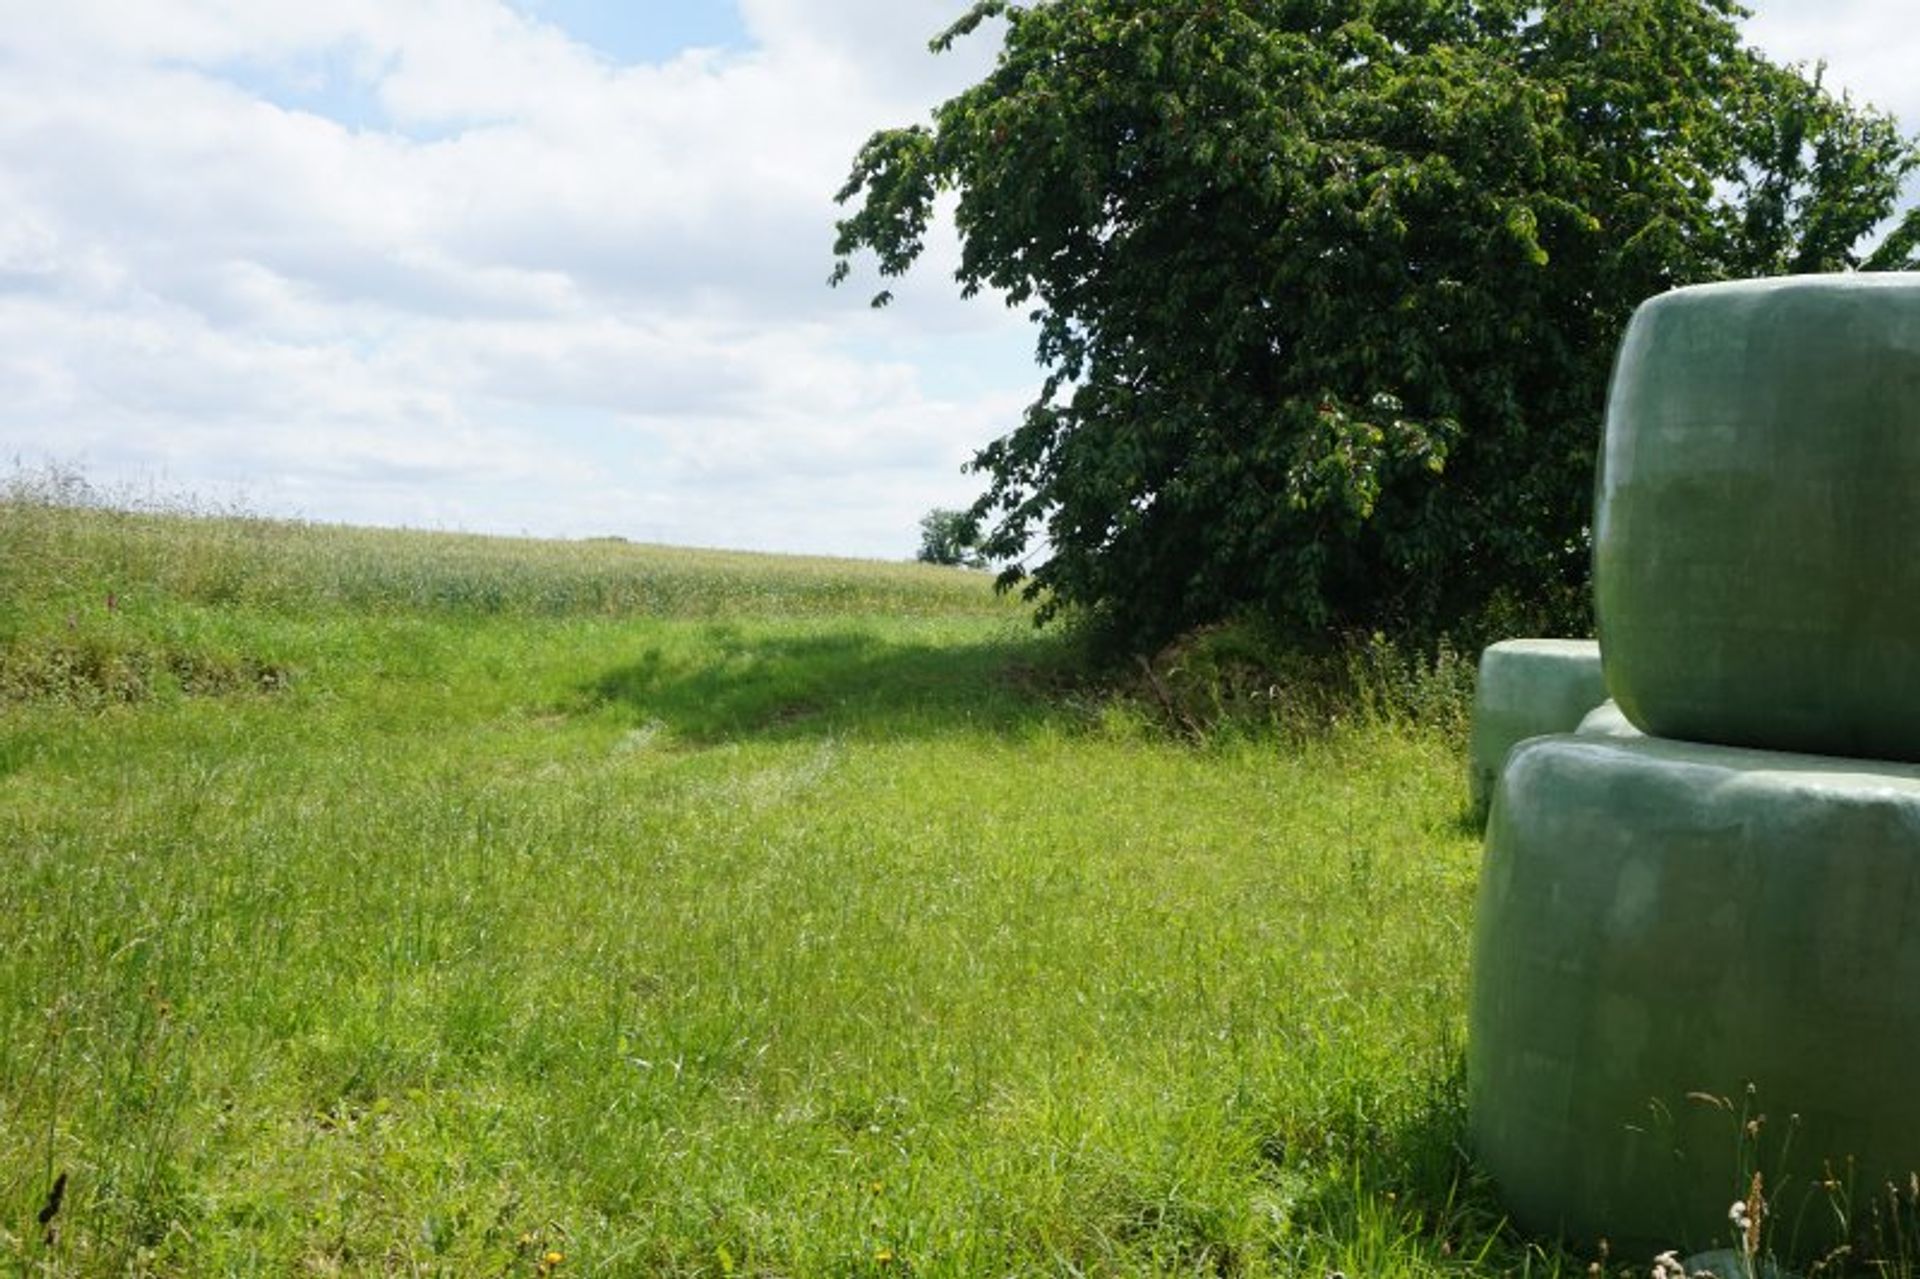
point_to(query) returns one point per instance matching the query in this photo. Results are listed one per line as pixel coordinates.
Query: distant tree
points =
(1328, 290)
(948, 537)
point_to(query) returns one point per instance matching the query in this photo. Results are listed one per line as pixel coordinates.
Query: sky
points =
(553, 267)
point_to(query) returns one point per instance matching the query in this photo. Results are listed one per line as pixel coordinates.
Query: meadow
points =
(410, 903)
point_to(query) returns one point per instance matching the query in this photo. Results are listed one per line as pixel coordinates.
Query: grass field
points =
(384, 903)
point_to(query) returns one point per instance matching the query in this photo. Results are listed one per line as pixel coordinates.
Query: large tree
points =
(1328, 290)
(947, 537)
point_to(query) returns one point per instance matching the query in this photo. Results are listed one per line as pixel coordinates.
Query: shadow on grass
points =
(1405, 1195)
(735, 684)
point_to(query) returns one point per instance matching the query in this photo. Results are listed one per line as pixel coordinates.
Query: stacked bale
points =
(1606, 720)
(1756, 540)
(1525, 688)
(1662, 924)
(1677, 935)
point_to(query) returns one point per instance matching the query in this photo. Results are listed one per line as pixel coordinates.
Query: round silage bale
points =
(1662, 925)
(1756, 524)
(1606, 720)
(1527, 687)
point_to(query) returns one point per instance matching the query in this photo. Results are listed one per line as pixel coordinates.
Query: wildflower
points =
(884, 1256)
(1667, 1266)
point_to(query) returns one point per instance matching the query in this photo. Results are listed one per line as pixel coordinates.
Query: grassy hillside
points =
(401, 903)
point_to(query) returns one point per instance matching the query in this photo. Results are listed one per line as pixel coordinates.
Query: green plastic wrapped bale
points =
(1606, 720)
(1662, 924)
(1527, 687)
(1756, 529)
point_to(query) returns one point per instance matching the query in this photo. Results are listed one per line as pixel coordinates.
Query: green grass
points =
(402, 903)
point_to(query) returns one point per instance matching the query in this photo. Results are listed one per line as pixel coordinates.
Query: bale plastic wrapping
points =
(1527, 687)
(1662, 924)
(1756, 528)
(1606, 720)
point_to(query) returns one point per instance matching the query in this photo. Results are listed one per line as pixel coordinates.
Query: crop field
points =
(404, 903)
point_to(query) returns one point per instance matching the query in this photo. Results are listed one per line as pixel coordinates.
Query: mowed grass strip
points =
(718, 936)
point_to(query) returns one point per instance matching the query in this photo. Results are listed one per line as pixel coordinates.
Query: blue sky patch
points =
(340, 83)
(632, 32)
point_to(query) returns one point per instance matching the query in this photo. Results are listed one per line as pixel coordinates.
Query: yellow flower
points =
(554, 1258)
(884, 1256)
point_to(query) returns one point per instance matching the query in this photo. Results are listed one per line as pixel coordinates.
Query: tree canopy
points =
(1328, 290)
(947, 537)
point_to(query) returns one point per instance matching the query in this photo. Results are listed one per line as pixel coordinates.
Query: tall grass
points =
(597, 909)
(64, 543)
(1241, 679)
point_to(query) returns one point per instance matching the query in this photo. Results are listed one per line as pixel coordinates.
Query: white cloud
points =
(436, 263)
(1868, 46)
(543, 291)
(1862, 48)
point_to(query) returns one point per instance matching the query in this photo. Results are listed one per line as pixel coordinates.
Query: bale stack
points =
(1697, 952)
